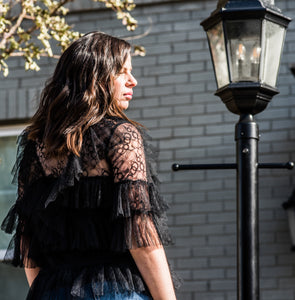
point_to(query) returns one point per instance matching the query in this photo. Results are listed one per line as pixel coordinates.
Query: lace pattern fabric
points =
(126, 153)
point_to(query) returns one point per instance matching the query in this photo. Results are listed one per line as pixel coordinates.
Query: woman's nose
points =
(132, 81)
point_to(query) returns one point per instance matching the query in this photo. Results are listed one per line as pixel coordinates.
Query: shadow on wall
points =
(12, 289)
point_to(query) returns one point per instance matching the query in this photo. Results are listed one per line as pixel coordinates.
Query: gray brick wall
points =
(175, 100)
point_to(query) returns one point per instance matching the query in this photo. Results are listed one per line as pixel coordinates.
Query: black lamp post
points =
(246, 40)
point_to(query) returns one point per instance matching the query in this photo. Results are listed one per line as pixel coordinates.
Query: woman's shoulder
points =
(110, 126)
(113, 122)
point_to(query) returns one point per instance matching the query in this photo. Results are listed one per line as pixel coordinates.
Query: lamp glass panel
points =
(273, 40)
(218, 53)
(244, 47)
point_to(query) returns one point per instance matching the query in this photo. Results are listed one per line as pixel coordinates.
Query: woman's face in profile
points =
(123, 84)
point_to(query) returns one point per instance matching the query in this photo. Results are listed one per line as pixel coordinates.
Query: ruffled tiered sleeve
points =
(138, 209)
(18, 251)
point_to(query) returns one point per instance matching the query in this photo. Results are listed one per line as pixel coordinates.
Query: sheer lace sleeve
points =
(127, 154)
(138, 208)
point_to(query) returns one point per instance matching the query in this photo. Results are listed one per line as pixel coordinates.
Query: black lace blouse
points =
(77, 217)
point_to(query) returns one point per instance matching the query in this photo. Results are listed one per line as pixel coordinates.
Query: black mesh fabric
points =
(77, 217)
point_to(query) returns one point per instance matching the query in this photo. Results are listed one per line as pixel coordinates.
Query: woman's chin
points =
(124, 105)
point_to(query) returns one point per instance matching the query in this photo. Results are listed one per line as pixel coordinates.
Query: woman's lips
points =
(128, 95)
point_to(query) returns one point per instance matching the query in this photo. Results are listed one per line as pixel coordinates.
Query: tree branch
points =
(30, 30)
(13, 29)
(33, 28)
(62, 3)
(139, 36)
(21, 53)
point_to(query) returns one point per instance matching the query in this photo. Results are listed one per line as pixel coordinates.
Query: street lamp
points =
(246, 41)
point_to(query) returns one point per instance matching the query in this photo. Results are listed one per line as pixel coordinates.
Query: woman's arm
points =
(31, 274)
(153, 266)
(31, 270)
(127, 157)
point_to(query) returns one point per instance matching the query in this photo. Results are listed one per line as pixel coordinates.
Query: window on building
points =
(8, 138)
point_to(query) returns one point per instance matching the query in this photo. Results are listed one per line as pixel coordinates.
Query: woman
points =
(89, 220)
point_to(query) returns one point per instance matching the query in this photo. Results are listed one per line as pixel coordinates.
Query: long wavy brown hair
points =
(79, 94)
